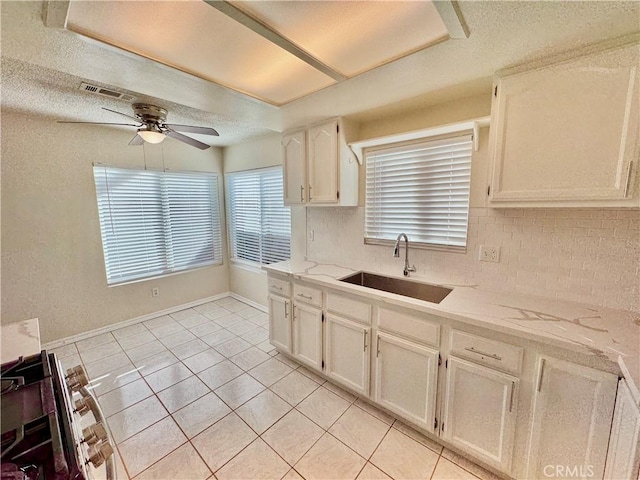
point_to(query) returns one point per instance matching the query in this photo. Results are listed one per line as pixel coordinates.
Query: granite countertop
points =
(607, 333)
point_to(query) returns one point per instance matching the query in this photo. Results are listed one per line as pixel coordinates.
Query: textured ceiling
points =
(502, 34)
(52, 94)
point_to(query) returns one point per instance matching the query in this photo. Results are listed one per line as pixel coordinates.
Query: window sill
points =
(164, 275)
(246, 265)
(417, 245)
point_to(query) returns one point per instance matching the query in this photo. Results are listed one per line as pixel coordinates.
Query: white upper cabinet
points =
(567, 134)
(319, 167)
(294, 147)
(571, 422)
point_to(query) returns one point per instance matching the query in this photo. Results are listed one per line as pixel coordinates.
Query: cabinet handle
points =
(541, 375)
(302, 193)
(308, 297)
(479, 352)
(276, 287)
(309, 191)
(286, 313)
(627, 184)
(377, 347)
(513, 387)
(365, 340)
(294, 312)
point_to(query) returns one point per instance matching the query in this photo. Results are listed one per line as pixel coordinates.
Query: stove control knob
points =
(77, 378)
(99, 453)
(94, 434)
(85, 405)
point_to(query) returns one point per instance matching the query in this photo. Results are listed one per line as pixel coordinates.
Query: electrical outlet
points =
(155, 292)
(489, 253)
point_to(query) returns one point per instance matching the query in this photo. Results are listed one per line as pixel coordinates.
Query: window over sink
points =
(420, 188)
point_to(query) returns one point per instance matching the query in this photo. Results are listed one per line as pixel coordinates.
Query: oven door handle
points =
(109, 463)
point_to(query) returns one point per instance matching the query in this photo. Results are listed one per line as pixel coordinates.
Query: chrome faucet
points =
(396, 254)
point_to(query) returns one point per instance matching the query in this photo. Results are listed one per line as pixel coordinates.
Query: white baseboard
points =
(256, 305)
(142, 318)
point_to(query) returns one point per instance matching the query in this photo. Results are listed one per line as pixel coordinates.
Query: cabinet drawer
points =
(349, 308)
(413, 326)
(487, 352)
(279, 287)
(309, 295)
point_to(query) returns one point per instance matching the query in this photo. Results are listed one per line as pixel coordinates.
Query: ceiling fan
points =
(153, 129)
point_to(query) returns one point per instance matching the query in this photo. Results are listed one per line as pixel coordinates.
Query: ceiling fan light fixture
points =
(151, 136)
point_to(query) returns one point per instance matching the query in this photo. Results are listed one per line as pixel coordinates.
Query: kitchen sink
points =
(399, 286)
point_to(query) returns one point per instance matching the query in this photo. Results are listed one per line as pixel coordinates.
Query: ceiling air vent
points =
(105, 91)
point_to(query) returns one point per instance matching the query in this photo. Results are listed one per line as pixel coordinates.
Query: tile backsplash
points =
(585, 255)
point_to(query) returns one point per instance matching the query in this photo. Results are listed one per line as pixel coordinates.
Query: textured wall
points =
(52, 260)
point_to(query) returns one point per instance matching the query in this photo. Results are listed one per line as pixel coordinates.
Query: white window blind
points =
(259, 224)
(421, 189)
(154, 223)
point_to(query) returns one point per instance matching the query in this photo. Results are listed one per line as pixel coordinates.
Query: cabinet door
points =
(623, 459)
(307, 335)
(323, 163)
(568, 131)
(406, 375)
(572, 413)
(347, 353)
(294, 154)
(280, 323)
(480, 412)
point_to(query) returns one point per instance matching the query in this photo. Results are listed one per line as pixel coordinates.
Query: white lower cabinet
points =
(307, 334)
(406, 379)
(480, 412)
(571, 421)
(280, 322)
(623, 459)
(347, 345)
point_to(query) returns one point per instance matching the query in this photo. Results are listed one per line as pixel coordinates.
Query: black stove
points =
(41, 437)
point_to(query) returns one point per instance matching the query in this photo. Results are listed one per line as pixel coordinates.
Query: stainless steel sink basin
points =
(400, 286)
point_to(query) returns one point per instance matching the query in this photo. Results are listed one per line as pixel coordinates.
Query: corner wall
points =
(248, 281)
(52, 258)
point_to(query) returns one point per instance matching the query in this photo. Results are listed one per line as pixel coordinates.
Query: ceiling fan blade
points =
(137, 140)
(183, 138)
(103, 123)
(120, 113)
(192, 129)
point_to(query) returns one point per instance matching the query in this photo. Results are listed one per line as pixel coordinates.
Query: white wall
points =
(585, 255)
(251, 282)
(52, 260)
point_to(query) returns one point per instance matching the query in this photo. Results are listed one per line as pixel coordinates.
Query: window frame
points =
(242, 262)
(406, 143)
(216, 210)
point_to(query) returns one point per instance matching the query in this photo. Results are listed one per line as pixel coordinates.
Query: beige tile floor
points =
(201, 394)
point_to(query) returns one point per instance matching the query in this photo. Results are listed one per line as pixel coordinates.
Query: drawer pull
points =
(479, 352)
(301, 193)
(308, 297)
(286, 312)
(276, 287)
